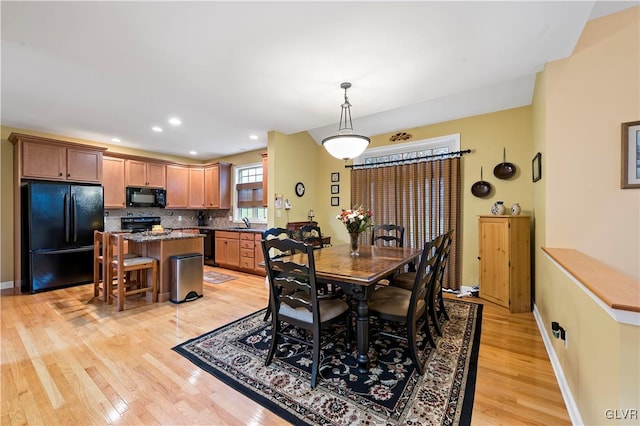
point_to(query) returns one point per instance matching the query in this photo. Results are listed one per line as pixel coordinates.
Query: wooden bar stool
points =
(100, 273)
(122, 266)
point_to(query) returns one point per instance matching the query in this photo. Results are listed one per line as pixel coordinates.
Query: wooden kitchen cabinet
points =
(145, 174)
(217, 186)
(247, 248)
(196, 188)
(505, 261)
(177, 187)
(50, 159)
(228, 249)
(113, 182)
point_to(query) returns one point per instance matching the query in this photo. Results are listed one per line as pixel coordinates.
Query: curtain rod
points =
(407, 160)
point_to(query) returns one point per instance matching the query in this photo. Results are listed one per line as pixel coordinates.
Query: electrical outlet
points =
(179, 218)
(278, 213)
(230, 218)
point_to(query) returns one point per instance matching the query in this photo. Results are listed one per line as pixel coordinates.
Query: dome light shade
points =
(345, 145)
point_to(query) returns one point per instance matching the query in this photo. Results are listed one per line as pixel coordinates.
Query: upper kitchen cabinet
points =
(113, 182)
(196, 188)
(217, 186)
(177, 187)
(50, 159)
(145, 174)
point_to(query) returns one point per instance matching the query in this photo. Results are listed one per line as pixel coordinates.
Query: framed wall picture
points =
(536, 167)
(335, 177)
(630, 155)
(335, 189)
(335, 201)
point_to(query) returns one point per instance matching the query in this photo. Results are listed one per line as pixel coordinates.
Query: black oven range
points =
(138, 224)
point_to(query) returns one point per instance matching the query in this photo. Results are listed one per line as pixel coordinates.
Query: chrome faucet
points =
(246, 222)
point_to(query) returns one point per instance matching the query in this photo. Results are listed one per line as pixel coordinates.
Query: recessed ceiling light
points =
(115, 140)
(175, 121)
(254, 137)
(193, 152)
(156, 129)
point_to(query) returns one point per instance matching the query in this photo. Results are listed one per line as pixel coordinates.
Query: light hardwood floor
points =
(69, 359)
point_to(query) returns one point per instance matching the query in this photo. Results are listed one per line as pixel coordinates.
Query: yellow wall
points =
(578, 106)
(486, 135)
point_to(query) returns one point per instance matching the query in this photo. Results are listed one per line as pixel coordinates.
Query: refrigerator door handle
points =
(66, 218)
(74, 216)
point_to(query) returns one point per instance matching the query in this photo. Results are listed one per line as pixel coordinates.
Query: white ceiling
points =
(98, 70)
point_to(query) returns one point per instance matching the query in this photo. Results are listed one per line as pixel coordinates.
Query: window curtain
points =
(423, 197)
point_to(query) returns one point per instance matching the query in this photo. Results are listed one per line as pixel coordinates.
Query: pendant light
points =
(345, 144)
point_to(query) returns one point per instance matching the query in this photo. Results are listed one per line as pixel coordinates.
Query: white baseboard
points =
(5, 285)
(565, 390)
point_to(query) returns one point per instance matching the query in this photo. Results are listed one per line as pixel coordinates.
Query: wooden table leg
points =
(362, 335)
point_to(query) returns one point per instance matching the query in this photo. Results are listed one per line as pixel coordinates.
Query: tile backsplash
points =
(169, 218)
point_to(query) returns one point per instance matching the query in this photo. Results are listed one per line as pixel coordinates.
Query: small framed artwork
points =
(536, 167)
(335, 201)
(630, 155)
(335, 189)
(335, 177)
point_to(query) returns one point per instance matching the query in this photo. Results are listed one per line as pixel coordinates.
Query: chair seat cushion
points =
(329, 309)
(137, 261)
(392, 301)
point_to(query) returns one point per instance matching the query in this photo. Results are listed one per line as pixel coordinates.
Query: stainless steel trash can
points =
(186, 277)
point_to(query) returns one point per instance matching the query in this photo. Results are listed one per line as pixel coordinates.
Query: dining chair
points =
(279, 233)
(294, 300)
(122, 267)
(311, 234)
(408, 307)
(405, 279)
(436, 301)
(387, 235)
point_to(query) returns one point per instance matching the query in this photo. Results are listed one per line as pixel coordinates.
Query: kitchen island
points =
(162, 246)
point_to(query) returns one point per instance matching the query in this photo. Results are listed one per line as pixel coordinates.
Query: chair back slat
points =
(388, 235)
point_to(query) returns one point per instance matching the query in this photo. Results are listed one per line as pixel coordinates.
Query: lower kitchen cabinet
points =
(241, 251)
(228, 249)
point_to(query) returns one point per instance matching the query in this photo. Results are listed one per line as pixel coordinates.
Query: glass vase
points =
(355, 246)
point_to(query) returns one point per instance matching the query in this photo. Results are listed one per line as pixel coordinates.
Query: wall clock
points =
(299, 189)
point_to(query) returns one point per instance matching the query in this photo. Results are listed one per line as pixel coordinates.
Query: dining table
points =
(358, 277)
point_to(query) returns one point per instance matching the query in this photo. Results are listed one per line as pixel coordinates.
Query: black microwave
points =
(146, 197)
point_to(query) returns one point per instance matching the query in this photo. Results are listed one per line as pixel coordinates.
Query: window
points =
(248, 194)
(423, 196)
(410, 150)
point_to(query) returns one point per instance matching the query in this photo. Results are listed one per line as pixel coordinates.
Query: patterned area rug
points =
(391, 393)
(216, 277)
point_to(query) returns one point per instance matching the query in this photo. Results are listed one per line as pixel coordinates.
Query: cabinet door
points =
(196, 188)
(494, 260)
(224, 187)
(84, 165)
(136, 173)
(177, 187)
(227, 251)
(212, 187)
(113, 182)
(42, 161)
(233, 253)
(156, 175)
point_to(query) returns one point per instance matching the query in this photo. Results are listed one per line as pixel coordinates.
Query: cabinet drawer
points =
(258, 237)
(246, 236)
(228, 235)
(246, 252)
(246, 262)
(246, 244)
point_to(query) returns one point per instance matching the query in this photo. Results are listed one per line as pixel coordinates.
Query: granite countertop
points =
(218, 228)
(142, 237)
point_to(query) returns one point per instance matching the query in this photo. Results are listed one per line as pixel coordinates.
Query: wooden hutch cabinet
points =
(505, 261)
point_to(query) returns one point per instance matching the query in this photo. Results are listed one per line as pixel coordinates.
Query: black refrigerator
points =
(58, 220)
